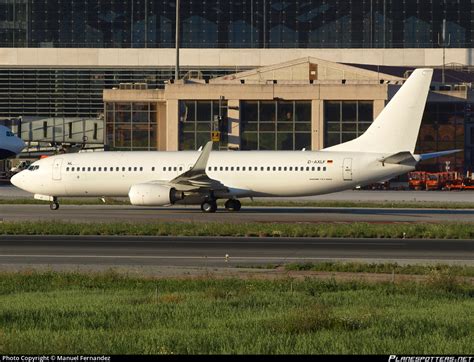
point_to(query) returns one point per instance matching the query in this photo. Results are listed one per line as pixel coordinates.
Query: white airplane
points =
(10, 145)
(384, 151)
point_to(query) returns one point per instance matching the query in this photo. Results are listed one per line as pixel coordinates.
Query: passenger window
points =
(209, 168)
(181, 168)
(94, 169)
(169, 168)
(324, 168)
(284, 168)
(319, 168)
(274, 168)
(83, 169)
(262, 168)
(105, 168)
(175, 169)
(307, 168)
(215, 168)
(135, 169)
(227, 168)
(250, 168)
(67, 168)
(238, 168)
(232, 168)
(268, 168)
(153, 169)
(88, 169)
(312, 168)
(279, 168)
(117, 168)
(221, 168)
(123, 168)
(243, 168)
(291, 168)
(129, 169)
(73, 169)
(100, 168)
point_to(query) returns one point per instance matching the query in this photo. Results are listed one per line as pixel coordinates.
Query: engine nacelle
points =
(153, 195)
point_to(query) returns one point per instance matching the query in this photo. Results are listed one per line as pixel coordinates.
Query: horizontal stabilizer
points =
(427, 156)
(399, 158)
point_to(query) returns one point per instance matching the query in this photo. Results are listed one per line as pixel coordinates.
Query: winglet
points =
(201, 163)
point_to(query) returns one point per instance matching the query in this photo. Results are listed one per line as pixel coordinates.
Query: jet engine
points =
(154, 195)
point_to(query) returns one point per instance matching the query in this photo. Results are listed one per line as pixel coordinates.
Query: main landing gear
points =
(209, 206)
(233, 205)
(230, 205)
(54, 205)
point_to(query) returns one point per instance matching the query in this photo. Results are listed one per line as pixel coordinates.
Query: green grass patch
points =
(349, 230)
(108, 313)
(440, 270)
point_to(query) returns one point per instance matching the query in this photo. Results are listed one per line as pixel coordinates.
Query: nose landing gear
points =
(54, 205)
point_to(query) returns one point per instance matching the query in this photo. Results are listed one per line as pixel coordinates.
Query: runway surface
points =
(212, 251)
(126, 213)
(8, 191)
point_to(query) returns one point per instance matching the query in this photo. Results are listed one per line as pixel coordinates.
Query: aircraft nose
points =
(17, 180)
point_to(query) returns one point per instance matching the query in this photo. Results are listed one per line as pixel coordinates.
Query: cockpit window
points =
(10, 134)
(33, 168)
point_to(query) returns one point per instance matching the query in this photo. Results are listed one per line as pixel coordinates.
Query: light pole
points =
(442, 42)
(176, 70)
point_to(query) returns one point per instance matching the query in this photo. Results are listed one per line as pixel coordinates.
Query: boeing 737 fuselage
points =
(202, 177)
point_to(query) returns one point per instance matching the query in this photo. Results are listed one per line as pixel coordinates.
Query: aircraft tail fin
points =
(397, 126)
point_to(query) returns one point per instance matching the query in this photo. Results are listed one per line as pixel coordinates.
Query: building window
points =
(131, 126)
(346, 120)
(197, 119)
(45, 129)
(444, 127)
(275, 125)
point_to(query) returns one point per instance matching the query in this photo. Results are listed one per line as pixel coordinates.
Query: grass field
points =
(384, 268)
(352, 230)
(44, 313)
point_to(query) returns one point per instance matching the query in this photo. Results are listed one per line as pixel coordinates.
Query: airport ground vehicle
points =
(417, 180)
(22, 165)
(439, 180)
(460, 183)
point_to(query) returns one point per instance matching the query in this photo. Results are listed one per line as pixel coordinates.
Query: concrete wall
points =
(86, 57)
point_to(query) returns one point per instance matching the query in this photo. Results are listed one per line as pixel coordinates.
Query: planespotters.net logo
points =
(395, 358)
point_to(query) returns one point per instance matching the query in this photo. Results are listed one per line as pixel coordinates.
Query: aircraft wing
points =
(196, 178)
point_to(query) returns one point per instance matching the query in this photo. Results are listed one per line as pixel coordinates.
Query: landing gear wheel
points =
(54, 205)
(209, 206)
(233, 205)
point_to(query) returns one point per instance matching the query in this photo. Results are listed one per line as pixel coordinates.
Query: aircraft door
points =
(57, 168)
(347, 169)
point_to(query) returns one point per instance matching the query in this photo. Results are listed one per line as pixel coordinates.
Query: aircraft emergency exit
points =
(384, 151)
